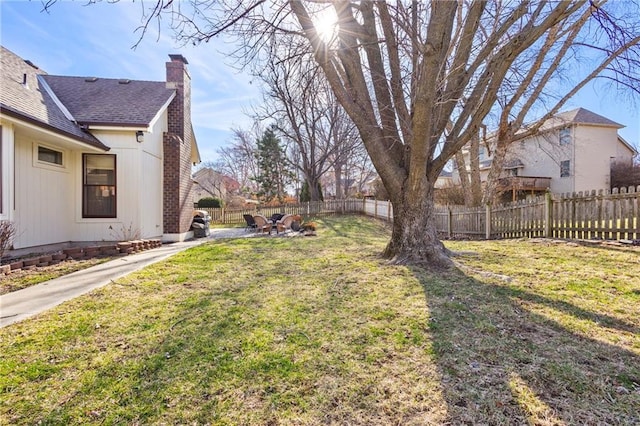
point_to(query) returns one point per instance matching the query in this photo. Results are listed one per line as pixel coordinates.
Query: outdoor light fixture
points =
(139, 136)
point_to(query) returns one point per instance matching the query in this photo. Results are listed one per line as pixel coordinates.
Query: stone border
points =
(80, 253)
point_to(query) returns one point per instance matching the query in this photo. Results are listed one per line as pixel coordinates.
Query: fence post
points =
(449, 222)
(547, 214)
(487, 224)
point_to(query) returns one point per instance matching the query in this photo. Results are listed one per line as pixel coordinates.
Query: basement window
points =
(50, 156)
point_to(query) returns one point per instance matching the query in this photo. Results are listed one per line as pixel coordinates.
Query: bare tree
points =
(319, 133)
(406, 72)
(625, 174)
(419, 78)
(238, 160)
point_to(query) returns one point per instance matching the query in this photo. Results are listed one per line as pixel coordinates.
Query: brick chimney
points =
(177, 202)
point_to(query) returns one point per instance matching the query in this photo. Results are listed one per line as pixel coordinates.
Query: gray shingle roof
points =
(31, 102)
(107, 101)
(584, 116)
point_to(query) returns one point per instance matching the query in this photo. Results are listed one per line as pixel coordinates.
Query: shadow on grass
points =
(501, 363)
(357, 228)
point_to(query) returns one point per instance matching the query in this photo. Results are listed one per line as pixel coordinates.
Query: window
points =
(565, 136)
(482, 153)
(99, 185)
(51, 156)
(565, 168)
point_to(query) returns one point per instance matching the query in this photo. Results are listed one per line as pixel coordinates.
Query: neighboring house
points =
(445, 179)
(573, 152)
(95, 159)
(209, 183)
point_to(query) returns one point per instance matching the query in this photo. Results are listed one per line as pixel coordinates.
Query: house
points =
(95, 159)
(209, 183)
(572, 152)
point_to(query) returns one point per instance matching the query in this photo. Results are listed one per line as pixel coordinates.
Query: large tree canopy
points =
(419, 78)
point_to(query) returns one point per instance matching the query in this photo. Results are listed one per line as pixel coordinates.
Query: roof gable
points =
(23, 96)
(111, 102)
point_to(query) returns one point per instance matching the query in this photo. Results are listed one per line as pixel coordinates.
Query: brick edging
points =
(80, 253)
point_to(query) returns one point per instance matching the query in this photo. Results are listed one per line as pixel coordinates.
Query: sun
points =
(325, 23)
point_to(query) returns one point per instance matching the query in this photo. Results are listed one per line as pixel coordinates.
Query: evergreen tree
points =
(274, 172)
(305, 193)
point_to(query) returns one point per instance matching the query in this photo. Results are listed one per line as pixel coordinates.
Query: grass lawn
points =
(319, 330)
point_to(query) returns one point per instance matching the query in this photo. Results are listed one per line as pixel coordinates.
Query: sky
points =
(96, 40)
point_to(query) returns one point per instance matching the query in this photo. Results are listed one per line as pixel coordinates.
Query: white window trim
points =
(45, 164)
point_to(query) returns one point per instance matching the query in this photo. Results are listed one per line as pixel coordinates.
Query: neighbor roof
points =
(584, 116)
(111, 102)
(22, 96)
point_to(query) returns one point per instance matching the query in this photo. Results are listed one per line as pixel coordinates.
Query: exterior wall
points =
(43, 204)
(138, 186)
(6, 165)
(48, 198)
(596, 148)
(541, 156)
(623, 153)
(151, 205)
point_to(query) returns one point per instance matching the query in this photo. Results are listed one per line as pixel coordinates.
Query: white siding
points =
(595, 149)
(43, 197)
(138, 189)
(541, 156)
(6, 157)
(151, 197)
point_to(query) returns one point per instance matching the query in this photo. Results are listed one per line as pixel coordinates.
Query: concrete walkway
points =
(25, 303)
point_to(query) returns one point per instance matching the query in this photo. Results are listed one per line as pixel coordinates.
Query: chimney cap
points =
(178, 57)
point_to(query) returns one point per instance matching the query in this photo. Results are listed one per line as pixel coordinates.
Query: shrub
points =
(625, 174)
(450, 194)
(210, 202)
(7, 234)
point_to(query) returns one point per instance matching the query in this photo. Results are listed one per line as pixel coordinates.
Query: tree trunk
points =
(414, 239)
(504, 138)
(475, 184)
(337, 168)
(314, 189)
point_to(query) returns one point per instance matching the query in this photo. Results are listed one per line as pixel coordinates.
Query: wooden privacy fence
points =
(610, 215)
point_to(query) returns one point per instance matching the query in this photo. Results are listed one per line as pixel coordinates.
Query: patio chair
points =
(251, 223)
(262, 223)
(284, 223)
(274, 219)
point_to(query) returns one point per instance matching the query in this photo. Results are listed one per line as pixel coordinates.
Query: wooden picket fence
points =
(607, 215)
